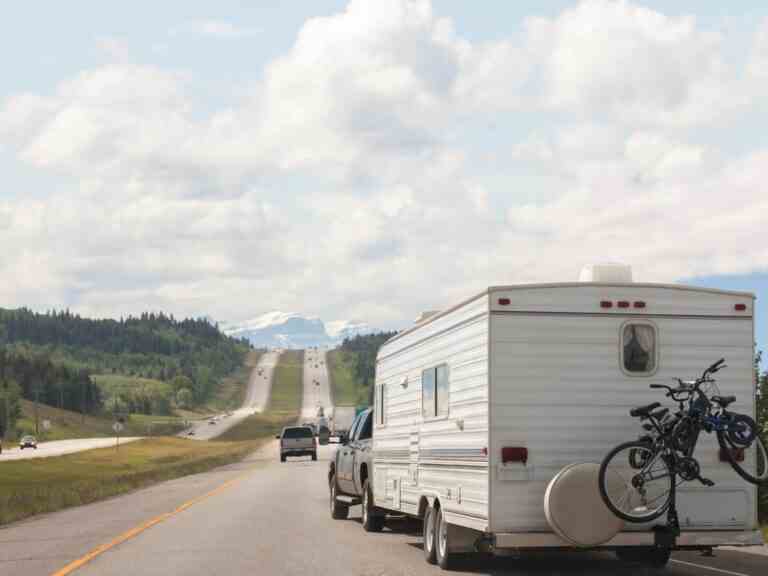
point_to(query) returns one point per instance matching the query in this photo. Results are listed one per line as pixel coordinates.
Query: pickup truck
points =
(297, 441)
(350, 474)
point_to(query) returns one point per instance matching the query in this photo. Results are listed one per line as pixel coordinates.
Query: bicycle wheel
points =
(749, 462)
(635, 482)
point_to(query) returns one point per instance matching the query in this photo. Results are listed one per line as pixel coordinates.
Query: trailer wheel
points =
(429, 535)
(442, 544)
(651, 557)
(338, 510)
(372, 522)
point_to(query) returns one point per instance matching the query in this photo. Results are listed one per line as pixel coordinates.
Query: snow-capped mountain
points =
(293, 330)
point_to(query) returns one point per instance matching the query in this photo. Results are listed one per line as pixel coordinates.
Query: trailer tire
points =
(428, 532)
(372, 520)
(651, 557)
(445, 559)
(339, 511)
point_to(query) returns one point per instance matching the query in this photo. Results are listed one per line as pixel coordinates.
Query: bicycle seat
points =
(660, 413)
(724, 400)
(643, 411)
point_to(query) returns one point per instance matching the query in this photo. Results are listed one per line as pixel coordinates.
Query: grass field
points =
(231, 391)
(29, 487)
(287, 386)
(284, 404)
(66, 424)
(120, 382)
(258, 426)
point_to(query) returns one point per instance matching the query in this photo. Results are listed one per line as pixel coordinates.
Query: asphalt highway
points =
(256, 400)
(61, 447)
(267, 518)
(317, 390)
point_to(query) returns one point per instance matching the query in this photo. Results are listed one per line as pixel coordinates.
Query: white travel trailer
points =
(478, 407)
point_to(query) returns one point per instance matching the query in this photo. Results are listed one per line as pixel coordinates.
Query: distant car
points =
(297, 441)
(28, 442)
(212, 421)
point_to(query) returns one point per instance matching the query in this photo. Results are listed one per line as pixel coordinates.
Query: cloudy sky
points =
(369, 160)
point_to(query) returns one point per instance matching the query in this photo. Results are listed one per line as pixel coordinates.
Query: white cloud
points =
(349, 183)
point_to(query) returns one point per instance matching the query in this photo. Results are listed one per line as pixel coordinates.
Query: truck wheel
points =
(372, 522)
(338, 510)
(442, 545)
(651, 557)
(429, 535)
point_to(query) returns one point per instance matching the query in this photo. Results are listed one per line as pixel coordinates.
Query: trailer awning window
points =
(434, 391)
(639, 348)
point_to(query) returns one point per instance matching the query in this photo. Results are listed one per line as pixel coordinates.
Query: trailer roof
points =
(491, 289)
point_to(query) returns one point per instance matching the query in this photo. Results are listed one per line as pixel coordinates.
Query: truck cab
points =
(350, 473)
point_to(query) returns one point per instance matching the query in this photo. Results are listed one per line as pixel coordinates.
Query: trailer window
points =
(428, 393)
(380, 397)
(434, 391)
(639, 348)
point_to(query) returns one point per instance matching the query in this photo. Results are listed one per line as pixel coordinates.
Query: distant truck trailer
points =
(343, 416)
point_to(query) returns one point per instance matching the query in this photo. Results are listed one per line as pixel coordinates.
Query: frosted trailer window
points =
(428, 393)
(441, 389)
(639, 348)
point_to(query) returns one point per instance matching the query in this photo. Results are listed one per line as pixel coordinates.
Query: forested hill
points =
(191, 353)
(148, 334)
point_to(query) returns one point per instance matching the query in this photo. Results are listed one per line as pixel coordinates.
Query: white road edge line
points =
(720, 570)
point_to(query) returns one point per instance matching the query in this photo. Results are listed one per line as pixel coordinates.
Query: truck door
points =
(362, 449)
(344, 464)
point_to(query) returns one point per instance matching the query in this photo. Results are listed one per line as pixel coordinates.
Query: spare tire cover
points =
(575, 510)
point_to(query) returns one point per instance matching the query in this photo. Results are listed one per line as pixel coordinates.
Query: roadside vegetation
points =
(231, 391)
(287, 384)
(150, 365)
(762, 419)
(258, 426)
(352, 368)
(38, 485)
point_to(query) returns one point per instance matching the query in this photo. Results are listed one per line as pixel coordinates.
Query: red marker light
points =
(504, 301)
(514, 454)
(740, 307)
(606, 304)
(639, 304)
(622, 304)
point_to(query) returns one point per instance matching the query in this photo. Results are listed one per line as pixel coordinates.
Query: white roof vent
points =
(424, 315)
(606, 273)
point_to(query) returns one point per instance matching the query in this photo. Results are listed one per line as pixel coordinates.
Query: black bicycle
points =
(638, 479)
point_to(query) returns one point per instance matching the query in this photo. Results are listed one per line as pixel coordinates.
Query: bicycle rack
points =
(666, 536)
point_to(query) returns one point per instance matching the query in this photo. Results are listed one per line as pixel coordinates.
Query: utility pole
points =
(37, 417)
(82, 399)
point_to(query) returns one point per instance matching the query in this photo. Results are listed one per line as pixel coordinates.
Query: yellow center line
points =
(133, 532)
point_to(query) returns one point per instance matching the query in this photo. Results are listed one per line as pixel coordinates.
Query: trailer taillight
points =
(606, 304)
(740, 307)
(736, 453)
(504, 301)
(639, 304)
(622, 304)
(514, 454)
